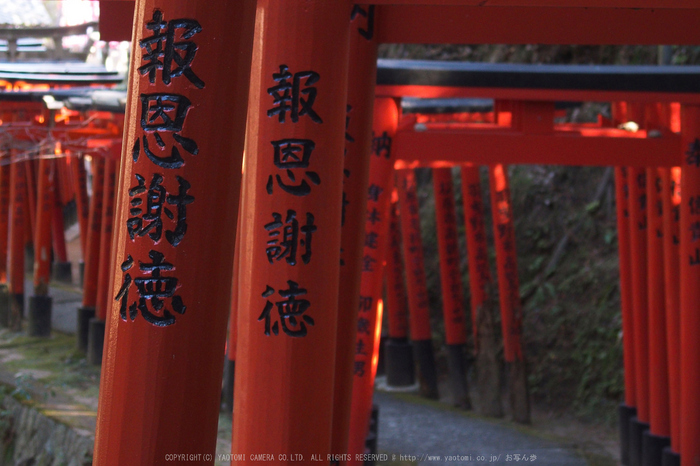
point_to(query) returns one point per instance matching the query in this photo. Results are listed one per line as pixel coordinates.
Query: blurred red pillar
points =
(375, 224)
(690, 287)
(509, 292)
(659, 424)
(92, 253)
(40, 304)
(15, 255)
(291, 220)
(451, 283)
(671, 196)
(418, 305)
(175, 223)
(358, 143)
(96, 325)
(400, 370)
(477, 249)
(4, 237)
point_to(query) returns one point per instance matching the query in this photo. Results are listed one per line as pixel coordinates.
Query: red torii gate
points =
(585, 22)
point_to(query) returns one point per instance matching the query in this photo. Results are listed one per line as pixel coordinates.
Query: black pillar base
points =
(625, 414)
(62, 272)
(4, 306)
(400, 369)
(227, 392)
(372, 435)
(81, 272)
(427, 374)
(652, 448)
(670, 458)
(96, 339)
(85, 313)
(637, 429)
(39, 317)
(457, 364)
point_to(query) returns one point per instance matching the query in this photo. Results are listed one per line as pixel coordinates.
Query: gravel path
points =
(432, 435)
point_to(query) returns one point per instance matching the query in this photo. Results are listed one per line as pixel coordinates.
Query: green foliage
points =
(571, 309)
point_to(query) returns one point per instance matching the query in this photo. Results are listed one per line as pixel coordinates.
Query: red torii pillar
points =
(4, 237)
(39, 315)
(79, 178)
(61, 269)
(292, 202)
(484, 327)
(92, 253)
(638, 225)
(628, 409)
(418, 305)
(96, 325)
(15, 255)
(166, 325)
(358, 143)
(451, 281)
(400, 369)
(657, 437)
(671, 211)
(375, 209)
(232, 341)
(509, 292)
(690, 287)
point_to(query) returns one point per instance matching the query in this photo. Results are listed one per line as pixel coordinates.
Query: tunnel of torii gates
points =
(307, 295)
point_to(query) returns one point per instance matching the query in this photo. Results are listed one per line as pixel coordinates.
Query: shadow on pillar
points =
(96, 340)
(625, 414)
(227, 391)
(652, 448)
(4, 306)
(458, 367)
(372, 436)
(670, 458)
(427, 373)
(62, 273)
(39, 316)
(29, 258)
(381, 367)
(81, 273)
(85, 314)
(16, 311)
(399, 365)
(636, 431)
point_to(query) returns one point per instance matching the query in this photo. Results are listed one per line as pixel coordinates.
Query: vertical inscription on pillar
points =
(506, 234)
(159, 195)
(693, 160)
(290, 233)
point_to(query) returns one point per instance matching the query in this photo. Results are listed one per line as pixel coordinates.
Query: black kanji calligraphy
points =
(164, 113)
(285, 239)
(148, 219)
(381, 145)
(368, 13)
(294, 97)
(290, 154)
(152, 291)
(291, 311)
(171, 42)
(692, 155)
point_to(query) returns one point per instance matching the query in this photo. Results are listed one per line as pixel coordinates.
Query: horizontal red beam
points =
(593, 22)
(447, 147)
(451, 24)
(548, 95)
(550, 3)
